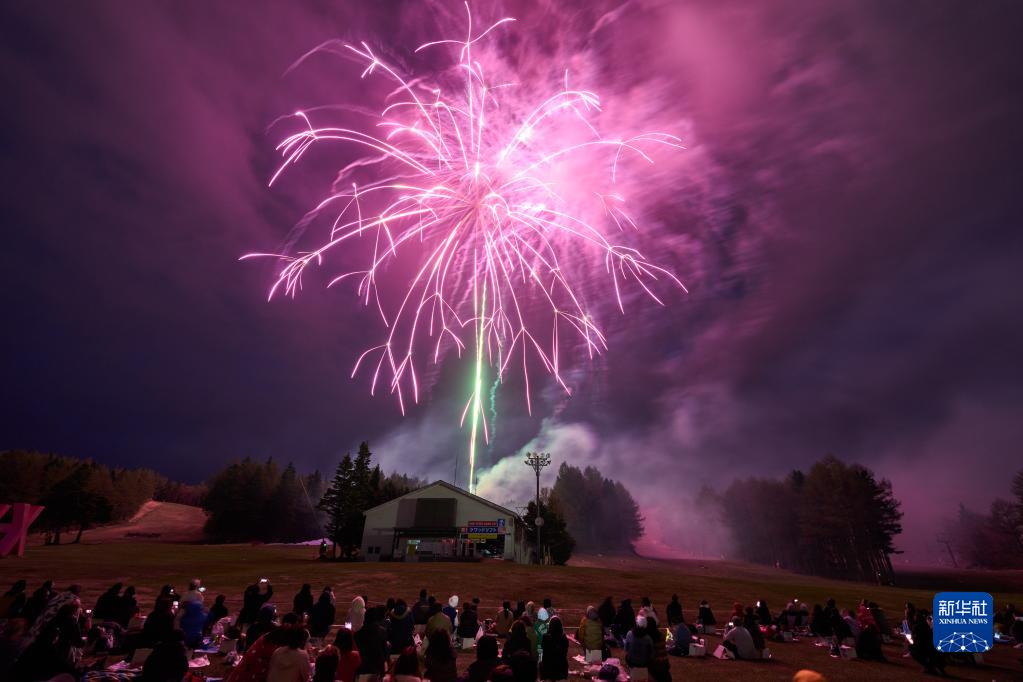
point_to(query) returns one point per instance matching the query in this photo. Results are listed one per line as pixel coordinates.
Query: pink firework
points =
(497, 203)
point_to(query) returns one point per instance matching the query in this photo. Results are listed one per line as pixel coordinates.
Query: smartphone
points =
(202, 589)
(175, 605)
(88, 611)
(263, 580)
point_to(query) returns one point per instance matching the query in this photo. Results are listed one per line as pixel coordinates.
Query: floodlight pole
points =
(538, 461)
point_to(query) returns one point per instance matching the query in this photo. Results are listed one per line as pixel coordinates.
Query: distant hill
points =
(153, 522)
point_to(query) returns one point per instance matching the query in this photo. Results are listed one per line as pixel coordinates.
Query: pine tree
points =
(335, 503)
(555, 539)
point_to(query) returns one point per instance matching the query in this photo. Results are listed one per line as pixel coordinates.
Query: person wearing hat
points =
(540, 628)
(639, 648)
(591, 631)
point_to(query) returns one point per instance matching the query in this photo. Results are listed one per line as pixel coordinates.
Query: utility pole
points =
(944, 539)
(538, 461)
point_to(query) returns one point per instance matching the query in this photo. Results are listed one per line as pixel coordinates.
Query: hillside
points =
(154, 522)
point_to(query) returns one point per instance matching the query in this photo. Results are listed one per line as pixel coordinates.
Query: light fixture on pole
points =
(538, 460)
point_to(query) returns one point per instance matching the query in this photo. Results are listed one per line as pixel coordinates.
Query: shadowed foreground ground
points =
(228, 569)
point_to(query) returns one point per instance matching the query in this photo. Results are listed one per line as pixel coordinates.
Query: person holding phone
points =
(255, 596)
(195, 592)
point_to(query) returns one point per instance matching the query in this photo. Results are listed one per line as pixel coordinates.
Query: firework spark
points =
(486, 196)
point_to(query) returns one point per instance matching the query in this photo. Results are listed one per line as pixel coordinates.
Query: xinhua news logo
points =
(963, 622)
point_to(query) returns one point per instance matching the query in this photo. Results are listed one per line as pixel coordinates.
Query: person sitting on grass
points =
(357, 613)
(764, 614)
(253, 600)
(303, 601)
(705, 616)
(607, 613)
(127, 607)
(401, 627)
(440, 658)
(217, 613)
(880, 619)
(190, 618)
(819, 624)
(660, 666)
(168, 661)
(405, 668)
(922, 649)
(503, 621)
(625, 619)
(438, 621)
(517, 641)
(737, 611)
(325, 668)
(523, 667)
(486, 660)
(468, 623)
(739, 641)
(554, 664)
(534, 641)
(868, 643)
(322, 614)
(255, 662)
(673, 612)
(421, 610)
(682, 637)
(195, 592)
(348, 658)
(159, 624)
(850, 620)
(266, 621)
(371, 641)
(591, 631)
(106, 605)
(290, 663)
(639, 648)
(451, 610)
(36, 604)
(751, 622)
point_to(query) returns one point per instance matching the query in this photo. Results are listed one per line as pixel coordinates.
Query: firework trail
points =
(487, 197)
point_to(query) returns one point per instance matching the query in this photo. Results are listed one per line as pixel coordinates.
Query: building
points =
(441, 522)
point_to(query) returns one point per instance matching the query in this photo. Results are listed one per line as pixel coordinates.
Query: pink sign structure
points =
(14, 533)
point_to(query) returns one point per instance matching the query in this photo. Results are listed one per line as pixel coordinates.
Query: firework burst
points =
(487, 197)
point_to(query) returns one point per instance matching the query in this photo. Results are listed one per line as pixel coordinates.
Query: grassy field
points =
(228, 569)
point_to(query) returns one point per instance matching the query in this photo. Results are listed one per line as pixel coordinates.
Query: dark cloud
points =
(846, 216)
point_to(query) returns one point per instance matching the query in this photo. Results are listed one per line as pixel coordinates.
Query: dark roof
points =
(454, 489)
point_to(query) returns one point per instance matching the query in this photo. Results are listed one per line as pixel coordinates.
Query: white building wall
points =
(380, 522)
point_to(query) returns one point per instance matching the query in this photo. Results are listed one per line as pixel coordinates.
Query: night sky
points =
(847, 216)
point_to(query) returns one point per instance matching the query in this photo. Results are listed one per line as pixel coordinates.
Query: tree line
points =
(80, 494)
(250, 501)
(837, 520)
(599, 512)
(992, 540)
